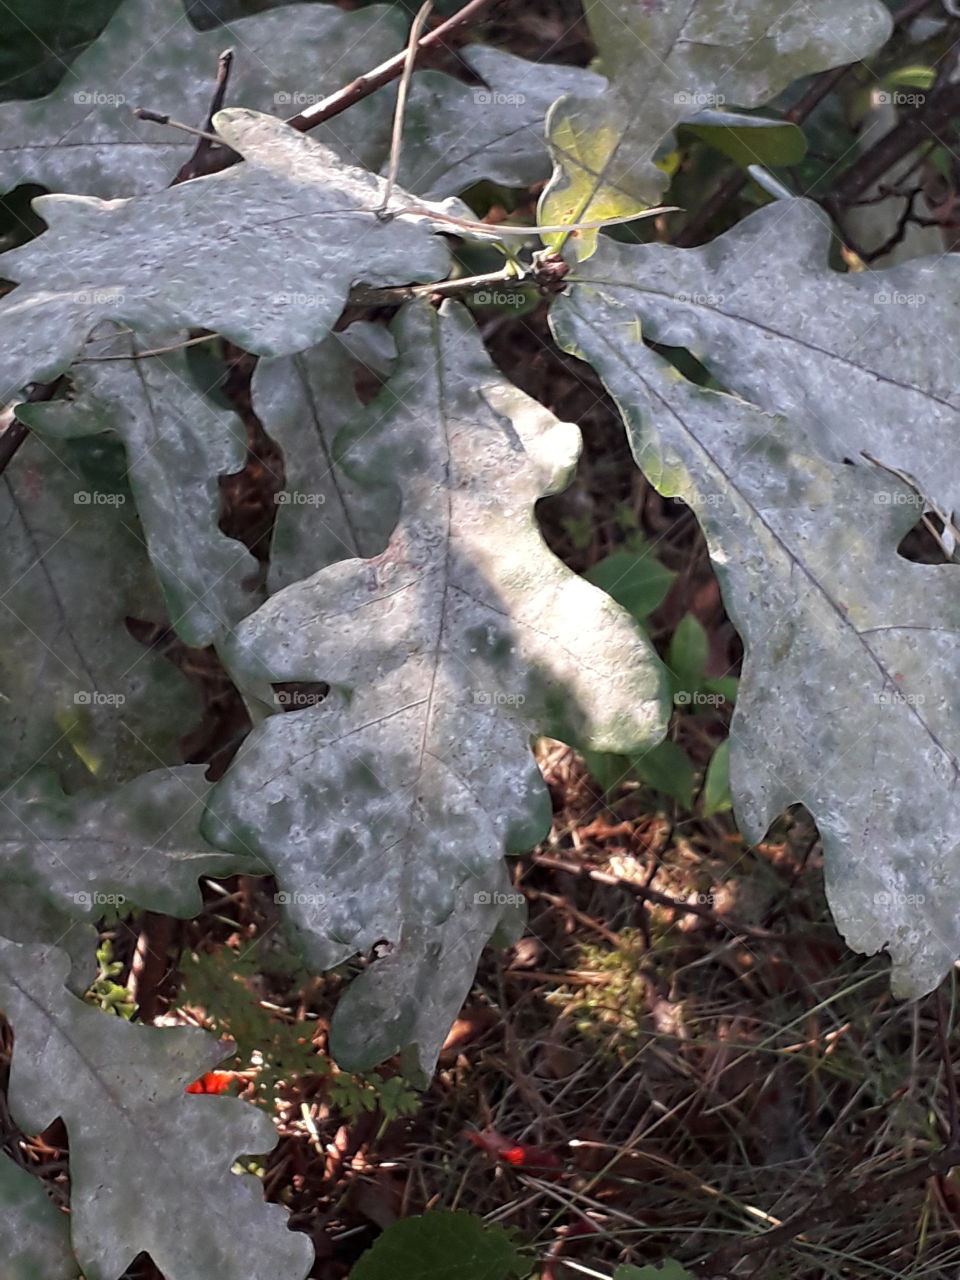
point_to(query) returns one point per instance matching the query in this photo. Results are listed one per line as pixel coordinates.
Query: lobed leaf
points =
(121, 1087)
(386, 810)
(83, 136)
(843, 354)
(76, 691)
(264, 253)
(851, 674)
(670, 59)
(177, 445)
(34, 1234)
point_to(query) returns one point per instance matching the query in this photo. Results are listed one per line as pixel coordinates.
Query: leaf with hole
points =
(385, 811)
(851, 676)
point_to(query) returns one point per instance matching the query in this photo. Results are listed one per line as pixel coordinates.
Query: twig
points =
(388, 71)
(205, 146)
(396, 141)
(17, 431)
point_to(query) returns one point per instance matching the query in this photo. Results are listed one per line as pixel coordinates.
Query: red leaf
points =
(212, 1082)
(520, 1154)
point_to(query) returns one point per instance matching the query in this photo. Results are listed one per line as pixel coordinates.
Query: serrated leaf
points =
(76, 691)
(446, 652)
(84, 138)
(440, 1244)
(304, 402)
(842, 354)
(34, 1235)
(137, 844)
(850, 683)
(264, 253)
(167, 1187)
(177, 445)
(456, 134)
(635, 579)
(668, 60)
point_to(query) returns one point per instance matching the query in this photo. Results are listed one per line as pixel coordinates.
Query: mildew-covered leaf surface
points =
(851, 679)
(385, 811)
(670, 59)
(122, 1085)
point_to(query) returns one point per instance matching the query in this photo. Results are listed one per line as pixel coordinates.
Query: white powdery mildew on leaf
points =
(264, 253)
(385, 811)
(845, 354)
(34, 1236)
(167, 1188)
(177, 445)
(851, 681)
(668, 60)
(84, 138)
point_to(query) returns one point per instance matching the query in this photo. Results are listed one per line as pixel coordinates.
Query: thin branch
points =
(206, 146)
(396, 141)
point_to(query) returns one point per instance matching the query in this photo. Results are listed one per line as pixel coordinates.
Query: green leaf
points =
(439, 1245)
(304, 401)
(716, 797)
(447, 651)
(748, 139)
(76, 691)
(773, 322)
(138, 844)
(84, 138)
(167, 1187)
(669, 769)
(177, 445)
(34, 1234)
(666, 62)
(635, 579)
(687, 657)
(264, 253)
(851, 676)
